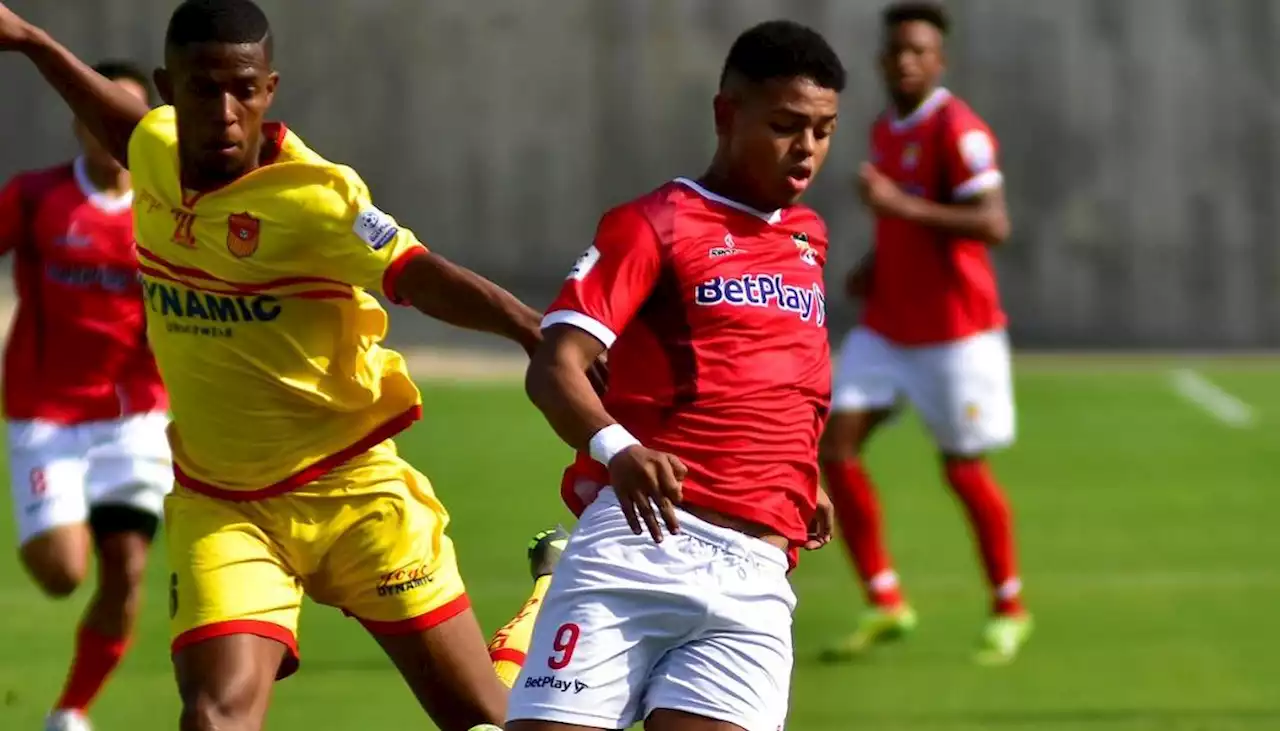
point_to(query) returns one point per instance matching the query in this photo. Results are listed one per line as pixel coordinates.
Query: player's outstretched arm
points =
(456, 295)
(110, 112)
(558, 385)
(984, 217)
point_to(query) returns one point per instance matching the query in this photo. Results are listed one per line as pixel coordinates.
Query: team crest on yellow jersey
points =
(242, 234)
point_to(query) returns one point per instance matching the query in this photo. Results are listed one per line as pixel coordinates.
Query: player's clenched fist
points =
(14, 31)
(643, 478)
(878, 191)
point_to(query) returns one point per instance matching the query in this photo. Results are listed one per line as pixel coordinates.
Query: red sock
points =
(992, 526)
(96, 657)
(854, 498)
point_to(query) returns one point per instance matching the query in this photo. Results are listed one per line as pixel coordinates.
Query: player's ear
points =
(723, 106)
(273, 81)
(164, 84)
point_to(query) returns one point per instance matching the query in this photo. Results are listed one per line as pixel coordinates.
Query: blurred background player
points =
(85, 407)
(284, 402)
(933, 331)
(708, 294)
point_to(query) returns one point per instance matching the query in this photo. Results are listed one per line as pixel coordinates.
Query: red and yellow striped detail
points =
(300, 287)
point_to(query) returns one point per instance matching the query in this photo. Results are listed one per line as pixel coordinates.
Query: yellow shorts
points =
(367, 538)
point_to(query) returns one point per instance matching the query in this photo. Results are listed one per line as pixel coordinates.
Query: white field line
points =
(1210, 398)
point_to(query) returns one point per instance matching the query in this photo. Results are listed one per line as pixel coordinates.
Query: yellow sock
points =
(509, 645)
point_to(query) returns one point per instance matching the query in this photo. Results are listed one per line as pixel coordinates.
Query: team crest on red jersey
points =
(242, 234)
(808, 254)
(910, 156)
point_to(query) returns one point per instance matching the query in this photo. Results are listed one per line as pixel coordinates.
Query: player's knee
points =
(203, 713)
(203, 710)
(57, 576)
(58, 582)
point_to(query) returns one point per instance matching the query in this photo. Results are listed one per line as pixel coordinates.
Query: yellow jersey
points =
(258, 314)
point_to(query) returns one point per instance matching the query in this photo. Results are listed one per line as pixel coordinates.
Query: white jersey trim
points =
(773, 217)
(983, 182)
(97, 198)
(587, 324)
(921, 113)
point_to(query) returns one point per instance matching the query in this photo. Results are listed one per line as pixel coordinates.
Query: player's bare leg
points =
(448, 670)
(123, 537)
(665, 719)
(853, 495)
(58, 559)
(989, 515)
(546, 726)
(225, 682)
(457, 686)
(662, 719)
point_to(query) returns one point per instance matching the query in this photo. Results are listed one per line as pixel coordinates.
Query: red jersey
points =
(77, 349)
(715, 316)
(925, 286)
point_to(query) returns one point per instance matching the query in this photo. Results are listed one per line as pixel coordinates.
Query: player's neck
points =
(111, 180)
(905, 106)
(721, 180)
(193, 179)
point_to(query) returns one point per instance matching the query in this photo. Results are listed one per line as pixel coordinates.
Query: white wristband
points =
(609, 441)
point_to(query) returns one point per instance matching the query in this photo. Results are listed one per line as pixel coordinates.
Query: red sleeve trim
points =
(422, 622)
(393, 272)
(506, 654)
(268, 630)
(309, 474)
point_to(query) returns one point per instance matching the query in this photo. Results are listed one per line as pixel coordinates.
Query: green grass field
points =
(1150, 550)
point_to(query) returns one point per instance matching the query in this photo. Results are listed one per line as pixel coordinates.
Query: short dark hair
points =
(218, 21)
(118, 70)
(927, 12)
(784, 49)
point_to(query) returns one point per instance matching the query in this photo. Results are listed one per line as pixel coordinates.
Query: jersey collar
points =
(936, 98)
(773, 217)
(97, 198)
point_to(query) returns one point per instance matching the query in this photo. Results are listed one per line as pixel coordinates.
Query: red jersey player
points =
(697, 476)
(933, 331)
(85, 407)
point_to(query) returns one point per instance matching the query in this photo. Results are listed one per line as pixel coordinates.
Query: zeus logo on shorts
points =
(764, 290)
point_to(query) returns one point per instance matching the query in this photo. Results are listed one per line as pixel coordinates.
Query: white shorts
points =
(59, 472)
(700, 623)
(962, 389)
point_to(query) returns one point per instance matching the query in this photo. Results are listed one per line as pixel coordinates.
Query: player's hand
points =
(643, 478)
(824, 520)
(878, 191)
(14, 31)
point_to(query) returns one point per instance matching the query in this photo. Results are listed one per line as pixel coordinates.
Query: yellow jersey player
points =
(257, 257)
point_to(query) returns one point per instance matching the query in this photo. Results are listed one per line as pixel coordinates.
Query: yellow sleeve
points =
(154, 138)
(357, 243)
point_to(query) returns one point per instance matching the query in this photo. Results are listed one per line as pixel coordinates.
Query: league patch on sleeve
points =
(977, 151)
(585, 263)
(375, 228)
